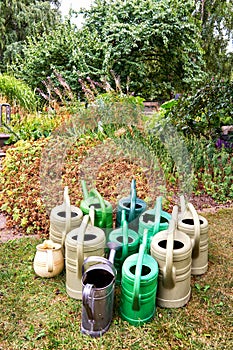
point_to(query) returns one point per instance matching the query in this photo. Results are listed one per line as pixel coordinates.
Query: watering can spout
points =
(113, 246)
(84, 189)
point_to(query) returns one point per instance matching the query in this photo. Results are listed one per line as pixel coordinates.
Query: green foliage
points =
(216, 18)
(153, 43)
(33, 127)
(17, 93)
(22, 19)
(153, 46)
(205, 110)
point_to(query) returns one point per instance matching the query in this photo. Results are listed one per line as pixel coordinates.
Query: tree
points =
(155, 44)
(216, 19)
(21, 19)
(151, 46)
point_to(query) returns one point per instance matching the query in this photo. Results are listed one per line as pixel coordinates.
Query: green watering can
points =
(154, 220)
(133, 207)
(139, 286)
(103, 209)
(128, 241)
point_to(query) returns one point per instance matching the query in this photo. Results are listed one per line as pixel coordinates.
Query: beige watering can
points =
(63, 219)
(82, 242)
(173, 251)
(196, 227)
(49, 260)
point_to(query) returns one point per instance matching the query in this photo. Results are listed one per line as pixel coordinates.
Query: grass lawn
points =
(37, 313)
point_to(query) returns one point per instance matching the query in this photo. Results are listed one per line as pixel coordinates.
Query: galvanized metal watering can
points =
(133, 207)
(98, 286)
(173, 251)
(196, 227)
(103, 209)
(139, 286)
(87, 240)
(128, 240)
(154, 220)
(63, 219)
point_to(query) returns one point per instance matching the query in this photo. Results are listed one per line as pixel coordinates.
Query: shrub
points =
(17, 93)
(204, 111)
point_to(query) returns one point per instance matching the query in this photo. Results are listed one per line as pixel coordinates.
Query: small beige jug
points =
(49, 260)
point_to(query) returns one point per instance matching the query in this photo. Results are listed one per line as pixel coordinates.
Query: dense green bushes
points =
(204, 111)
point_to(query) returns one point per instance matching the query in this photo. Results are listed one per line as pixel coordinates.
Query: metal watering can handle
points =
(133, 198)
(169, 271)
(158, 210)
(124, 225)
(87, 303)
(95, 193)
(138, 272)
(68, 214)
(197, 231)
(80, 248)
(98, 259)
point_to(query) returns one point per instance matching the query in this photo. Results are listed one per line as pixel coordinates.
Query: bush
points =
(204, 111)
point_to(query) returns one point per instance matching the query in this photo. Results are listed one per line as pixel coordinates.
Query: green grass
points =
(36, 313)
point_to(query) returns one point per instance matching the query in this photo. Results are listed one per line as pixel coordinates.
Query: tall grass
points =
(17, 93)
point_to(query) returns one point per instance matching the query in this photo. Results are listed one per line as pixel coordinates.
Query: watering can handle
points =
(197, 230)
(124, 225)
(98, 259)
(138, 272)
(95, 193)
(80, 248)
(182, 204)
(158, 210)
(169, 271)
(86, 294)
(49, 260)
(133, 198)
(68, 214)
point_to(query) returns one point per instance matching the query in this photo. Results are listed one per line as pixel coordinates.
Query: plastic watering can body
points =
(133, 207)
(139, 287)
(87, 240)
(173, 251)
(103, 209)
(154, 220)
(196, 227)
(128, 240)
(98, 286)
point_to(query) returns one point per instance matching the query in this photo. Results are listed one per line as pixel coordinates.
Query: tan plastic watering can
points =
(84, 241)
(63, 219)
(173, 251)
(196, 227)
